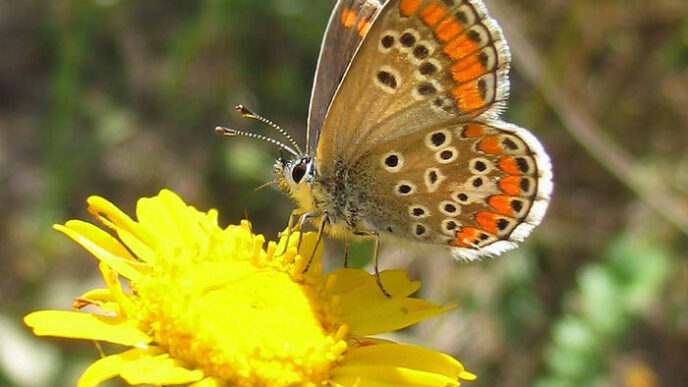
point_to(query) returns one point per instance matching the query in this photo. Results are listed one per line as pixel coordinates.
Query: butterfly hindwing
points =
(422, 63)
(349, 22)
(479, 186)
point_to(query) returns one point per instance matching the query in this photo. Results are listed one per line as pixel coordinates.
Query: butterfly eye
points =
(299, 171)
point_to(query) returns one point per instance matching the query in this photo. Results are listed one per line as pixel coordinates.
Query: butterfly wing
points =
(480, 186)
(416, 119)
(349, 22)
(422, 62)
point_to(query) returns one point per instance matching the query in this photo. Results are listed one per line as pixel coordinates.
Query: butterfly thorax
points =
(327, 190)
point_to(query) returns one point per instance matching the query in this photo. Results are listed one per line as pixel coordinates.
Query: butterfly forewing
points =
(476, 186)
(421, 63)
(349, 23)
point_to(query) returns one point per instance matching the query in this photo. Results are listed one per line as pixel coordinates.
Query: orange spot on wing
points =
(465, 237)
(409, 7)
(508, 165)
(487, 221)
(510, 185)
(348, 18)
(460, 47)
(472, 131)
(467, 69)
(468, 97)
(490, 145)
(501, 204)
(363, 27)
(447, 29)
(433, 13)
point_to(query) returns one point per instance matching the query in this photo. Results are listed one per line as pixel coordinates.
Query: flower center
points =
(243, 324)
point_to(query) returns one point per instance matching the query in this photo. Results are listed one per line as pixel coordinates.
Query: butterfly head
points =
(294, 174)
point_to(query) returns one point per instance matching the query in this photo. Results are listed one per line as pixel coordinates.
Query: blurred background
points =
(120, 98)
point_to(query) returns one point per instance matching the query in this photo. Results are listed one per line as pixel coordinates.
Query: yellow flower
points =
(208, 306)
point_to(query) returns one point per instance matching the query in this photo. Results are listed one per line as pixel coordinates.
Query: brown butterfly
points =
(404, 139)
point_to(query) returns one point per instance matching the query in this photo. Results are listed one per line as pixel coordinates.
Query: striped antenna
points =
(246, 113)
(234, 133)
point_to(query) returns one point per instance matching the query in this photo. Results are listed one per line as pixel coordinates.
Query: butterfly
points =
(404, 139)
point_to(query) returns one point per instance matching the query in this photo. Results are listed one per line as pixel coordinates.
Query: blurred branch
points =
(581, 125)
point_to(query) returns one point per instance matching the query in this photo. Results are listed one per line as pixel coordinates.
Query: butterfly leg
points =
(294, 214)
(376, 250)
(302, 221)
(346, 252)
(321, 231)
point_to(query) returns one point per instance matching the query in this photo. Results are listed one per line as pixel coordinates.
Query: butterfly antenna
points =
(246, 113)
(234, 133)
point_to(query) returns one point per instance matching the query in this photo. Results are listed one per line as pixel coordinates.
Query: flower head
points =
(208, 306)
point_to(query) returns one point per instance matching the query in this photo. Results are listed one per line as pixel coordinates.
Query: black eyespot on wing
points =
(473, 34)
(392, 161)
(477, 182)
(502, 224)
(451, 225)
(480, 166)
(420, 229)
(404, 189)
(299, 172)
(483, 58)
(446, 155)
(387, 79)
(417, 211)
(407, 39)
(525, 185)
(517, 205)
(482, 88)
(510, 144)
(462, 197)
(426, 89)
(421, 52)
(461, 16)
(387, 41)
(438, 139)
(433, 177)
(450, 208)
(522, 164)
(427, 68)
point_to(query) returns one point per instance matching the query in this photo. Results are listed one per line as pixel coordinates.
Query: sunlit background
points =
(119, 98)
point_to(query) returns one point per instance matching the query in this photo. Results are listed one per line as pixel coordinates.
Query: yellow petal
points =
(371, 318)
(140, 248)
(100, 238)
(169, 218)
(114, 218)
(96, 297)
(185, 218)
(159, 370)
(77, 325)
(115, 287)
(398, 376)
(357, 381)
(356, 282)
(123, 266)
(405, 356)
(465, 375)
(207, 382)
(110, 366)
(102, 298)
